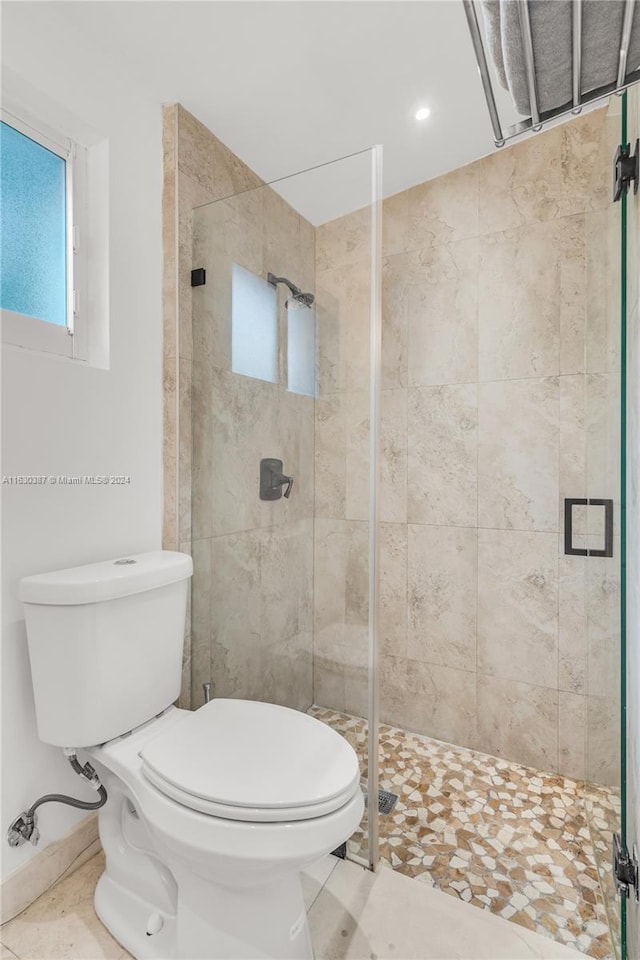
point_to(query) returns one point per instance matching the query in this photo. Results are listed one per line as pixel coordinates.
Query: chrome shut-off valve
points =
(23, 829)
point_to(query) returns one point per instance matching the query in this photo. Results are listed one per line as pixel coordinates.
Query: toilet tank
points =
(105, 644)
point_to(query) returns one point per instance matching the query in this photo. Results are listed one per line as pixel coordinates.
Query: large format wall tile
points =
(295, 446)
(393, 604)
(236, 655)
(442, 311)
(356, 573)
(291, 666)
(572, 240)
(422, 696)
(357, 455)
(603, 740)
(572, 735)
(170, 454)
(518, 721)
(330, 456)
(235, 421)
(532, 298)
(245, 430)
(200, 618)
(442, 445)
(344, 240)
(329, 581)
(286, 582)
(603, 624)
(602, 240)
(518, 606)
(572, 466)
(442, 595)
(185, 389)
(209, 162)
(572, 623)
(445, 209)
(395, 279)
(518, 454)
(518, 303)
(393, 456)
(202, 450)
(522, 184)
(395, 223)
(588, 144)
(343, 294)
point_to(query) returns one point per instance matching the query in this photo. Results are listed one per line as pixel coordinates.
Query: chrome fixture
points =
(24, 826)
(538, 117)
(297, 298)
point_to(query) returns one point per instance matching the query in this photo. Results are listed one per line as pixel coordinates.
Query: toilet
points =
(211, 815)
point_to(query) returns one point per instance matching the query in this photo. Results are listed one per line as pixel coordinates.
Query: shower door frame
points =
(375, 375)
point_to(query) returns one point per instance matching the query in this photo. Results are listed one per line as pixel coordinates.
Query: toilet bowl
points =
(211, 851)
(211, 815)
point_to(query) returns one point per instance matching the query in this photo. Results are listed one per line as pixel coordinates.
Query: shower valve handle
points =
(272, 479)
(281, 481)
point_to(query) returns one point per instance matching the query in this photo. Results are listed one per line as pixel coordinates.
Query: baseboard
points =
(59, 859)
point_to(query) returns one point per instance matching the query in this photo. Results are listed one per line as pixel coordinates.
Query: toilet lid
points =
(245, 760)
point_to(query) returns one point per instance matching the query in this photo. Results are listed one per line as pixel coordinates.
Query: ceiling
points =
(290, 85)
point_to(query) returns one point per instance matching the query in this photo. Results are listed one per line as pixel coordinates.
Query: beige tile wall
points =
(250, 630)
(499, 323)
(499, 358)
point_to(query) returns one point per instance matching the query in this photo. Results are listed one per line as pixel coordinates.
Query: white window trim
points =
(33, 333)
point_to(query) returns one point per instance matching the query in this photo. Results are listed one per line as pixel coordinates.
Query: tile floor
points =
(514, 841)
(353, 915)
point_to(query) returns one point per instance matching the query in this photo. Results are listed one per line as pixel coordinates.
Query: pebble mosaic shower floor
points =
(503, 837)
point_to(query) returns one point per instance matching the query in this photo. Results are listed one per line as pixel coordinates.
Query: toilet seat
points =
(251, 761)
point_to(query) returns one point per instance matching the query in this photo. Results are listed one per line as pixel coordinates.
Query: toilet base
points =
(212, 922)
(126, 917)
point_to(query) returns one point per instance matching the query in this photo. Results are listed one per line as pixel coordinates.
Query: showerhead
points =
(298, 299)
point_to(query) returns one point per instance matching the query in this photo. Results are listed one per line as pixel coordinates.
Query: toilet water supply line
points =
(24, 826)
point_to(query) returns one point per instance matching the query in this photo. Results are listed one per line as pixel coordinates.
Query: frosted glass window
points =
(33, 228)
(254, 326)
(301, 351)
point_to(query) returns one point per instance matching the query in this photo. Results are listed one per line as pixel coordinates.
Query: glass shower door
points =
(282, 486)
(630, 489)
(612, 277)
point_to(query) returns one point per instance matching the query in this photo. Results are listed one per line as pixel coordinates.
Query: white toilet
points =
(210, 815)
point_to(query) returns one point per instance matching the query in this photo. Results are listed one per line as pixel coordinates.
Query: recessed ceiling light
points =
(422, 113)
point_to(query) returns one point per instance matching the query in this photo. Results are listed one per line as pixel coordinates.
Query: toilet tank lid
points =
(107, 580)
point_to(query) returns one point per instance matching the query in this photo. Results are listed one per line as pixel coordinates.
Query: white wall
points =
(61, 417)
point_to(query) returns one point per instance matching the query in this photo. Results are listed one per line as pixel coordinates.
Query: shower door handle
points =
(607, 550)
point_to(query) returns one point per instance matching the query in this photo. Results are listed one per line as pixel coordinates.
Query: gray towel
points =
(552, 46)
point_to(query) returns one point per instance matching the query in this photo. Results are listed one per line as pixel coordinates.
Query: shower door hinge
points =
(198, 277)
(625, 869)
(626, 170)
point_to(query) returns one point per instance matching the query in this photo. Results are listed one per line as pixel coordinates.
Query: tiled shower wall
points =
(499, 323)
(499, 331)
(250, 628)
(252, 623)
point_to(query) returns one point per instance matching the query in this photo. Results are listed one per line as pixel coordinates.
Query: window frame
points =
(33, 333)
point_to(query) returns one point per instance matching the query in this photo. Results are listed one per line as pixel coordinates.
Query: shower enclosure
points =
(406, 512)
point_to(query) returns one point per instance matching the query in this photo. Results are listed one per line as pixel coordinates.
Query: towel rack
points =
(538, 118)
